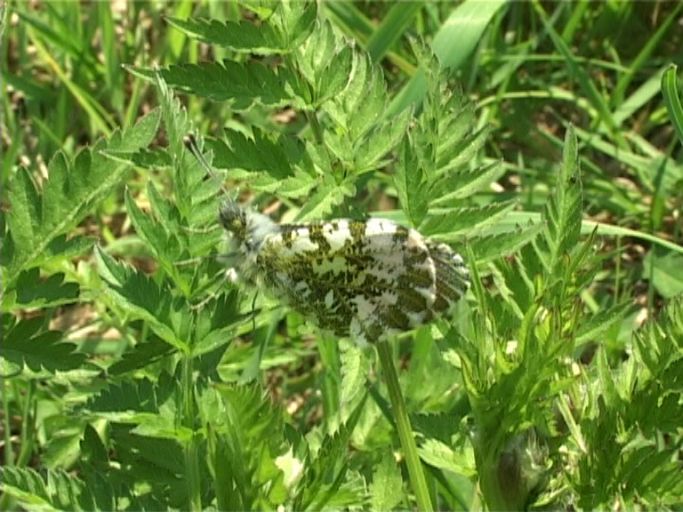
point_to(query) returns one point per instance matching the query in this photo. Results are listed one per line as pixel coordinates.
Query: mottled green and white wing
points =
(363, 279)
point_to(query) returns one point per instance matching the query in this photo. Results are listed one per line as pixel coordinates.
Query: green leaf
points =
(242, 84)
(597, 324)
(139, 296)
(57, 491)
(490, 247)
(411, 185)
(141, 355)
(379, 142)
(70, 192)
(355, 369)
(328, 195)
(258, 153)
(390, 30)
(32, 292)
(125, 401)
(323, 482)
(450, 223)
(244, 447)
(25, 344)
(165, 245)
(196, 198)
(456, 39)
(465, 183)
(315, 55)
(333, 77)
(672, 100)
(562, 214)
(386, 489)
(439, 455)
(241, 36)
(359, 106)
(660, 341)
(294, 21)
(296, 186)
(216, 322)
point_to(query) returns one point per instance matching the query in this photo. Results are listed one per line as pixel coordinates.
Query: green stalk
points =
(405, 431)
(8, 453)
(192, 446)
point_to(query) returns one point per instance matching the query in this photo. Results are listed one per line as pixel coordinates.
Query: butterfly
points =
(363, 279)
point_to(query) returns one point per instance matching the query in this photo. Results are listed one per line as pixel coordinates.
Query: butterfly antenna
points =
(253, 312)
(193, 147)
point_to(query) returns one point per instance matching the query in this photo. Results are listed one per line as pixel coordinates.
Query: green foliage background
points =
(542, 141)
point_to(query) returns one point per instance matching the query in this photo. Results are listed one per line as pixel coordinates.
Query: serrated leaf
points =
(176, 122)
(25, 344)
(157, 238)
(386, 490)
(460, 152)
(316, 52)
(411, 185)
(324, 200)
(24, 217)
(440, 455)
(660, 341)
(240, 36)
(131, 396)
(355, 368)
(296, 186)
(57, 491)
(244, 449)
(196, 197)
(332, 79)
(141, 355)
(36, 222)
(294, 21)
(364, 99)
(216, 322)
(447, 223)
(490, 247)
(142, 298)
(32, 292)
(562, 214)
(258, 154)
(379, 142)
(464, 184)
(600, 322)
(357, 110)
(323, 476)
(242, 84)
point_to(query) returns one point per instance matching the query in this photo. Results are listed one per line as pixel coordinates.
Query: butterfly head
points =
(234, 219)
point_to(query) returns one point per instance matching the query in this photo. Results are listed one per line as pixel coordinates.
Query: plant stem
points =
(191, 446)
(405, 431)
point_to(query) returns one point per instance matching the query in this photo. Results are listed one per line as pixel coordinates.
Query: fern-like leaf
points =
(35, 221)
(26, 344)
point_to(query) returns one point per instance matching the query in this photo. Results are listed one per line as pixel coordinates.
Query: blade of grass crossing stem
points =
(98, 115)
(453, 44)
(355, 24)
(577, 72)
(394, 24)
(350, 19)
(672, 99)
(643, 94)
(405, 431)
(643, 56)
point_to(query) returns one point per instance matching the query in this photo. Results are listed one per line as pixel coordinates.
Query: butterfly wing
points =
(364, 279)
